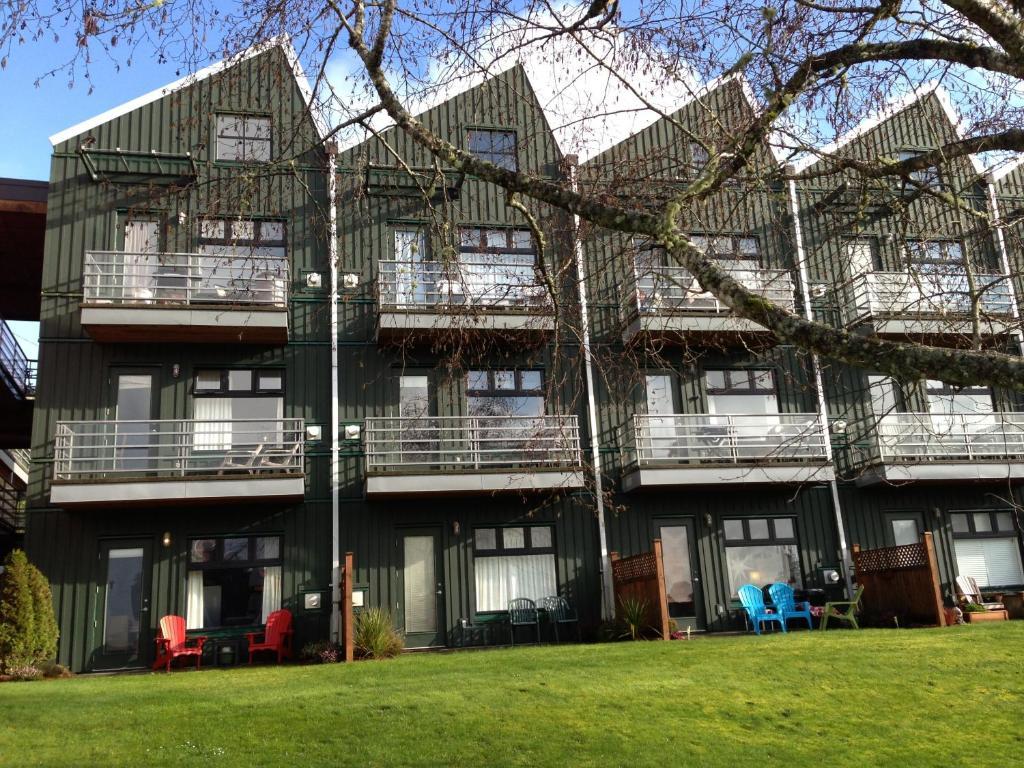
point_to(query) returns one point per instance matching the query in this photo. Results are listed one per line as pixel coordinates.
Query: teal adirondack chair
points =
(848, 612)
(753, 603)
(786, 605)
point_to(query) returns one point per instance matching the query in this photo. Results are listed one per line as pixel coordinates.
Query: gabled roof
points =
(887, 113)
(281, 41)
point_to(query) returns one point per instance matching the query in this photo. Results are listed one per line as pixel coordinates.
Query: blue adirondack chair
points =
(787, 606)
(753, 604)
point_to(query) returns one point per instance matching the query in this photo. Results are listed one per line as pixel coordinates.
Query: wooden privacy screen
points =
(642, 577)
(900, 581)
(348, 574)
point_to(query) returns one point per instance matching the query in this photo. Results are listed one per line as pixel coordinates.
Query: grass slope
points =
(882, 697)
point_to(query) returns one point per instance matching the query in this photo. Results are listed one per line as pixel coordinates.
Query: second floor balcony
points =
(17, 372)
(471, 454)
(499, 292)
(900, 447)
(665, 302)
(12, 506)
(703, 449)
(929, 303)
(189, 297)
(177, 461)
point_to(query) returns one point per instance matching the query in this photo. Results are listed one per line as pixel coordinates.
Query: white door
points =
(660, 436)
(141, 246)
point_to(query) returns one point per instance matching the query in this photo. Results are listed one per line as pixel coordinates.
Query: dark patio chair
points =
(522, 612)
(560, 612)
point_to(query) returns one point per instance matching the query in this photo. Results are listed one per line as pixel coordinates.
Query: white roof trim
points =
(282, 41)
(1000, 171)
(890, 111)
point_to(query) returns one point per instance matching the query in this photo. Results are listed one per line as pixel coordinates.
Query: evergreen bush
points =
(28, 627)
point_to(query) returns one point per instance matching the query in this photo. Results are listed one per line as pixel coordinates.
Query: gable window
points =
(243, 138)
(699, 158)
(513, 561)
(248, 262)
(927, 177)
(987, 547)
(239, 409)
(497, 267)
(494, 146)
(761, 551)
(233, 581)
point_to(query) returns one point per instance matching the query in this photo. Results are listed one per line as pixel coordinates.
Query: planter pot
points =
(975, 618)
(1014, 604)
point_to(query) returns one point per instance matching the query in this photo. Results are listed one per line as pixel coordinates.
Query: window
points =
(935, 256)
(987, 547)
(883, 393)
(729, 247)
(503, 403)
(511, 562)
(660, 285)
(926, 177)
(233, 581)
(761, 551)
(699, 158)
(498, 147)
(249, 262)
(505, 393)
(238, 409)
(497, 266)
(243, 138)
(736, 391)
(963, 410)
(860, 255)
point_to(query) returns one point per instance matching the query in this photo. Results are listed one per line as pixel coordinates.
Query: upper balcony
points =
(189, 297)
(489, 292)
(899, 447)
(471, 454)
(177, 461)
(667, 303)
(12, 506)
(934, 304)
(16, 370)
(707, 449)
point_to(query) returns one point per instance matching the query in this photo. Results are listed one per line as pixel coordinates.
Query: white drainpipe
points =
(805, 290)
(1004, 262)
(607, 599)
(332, 251)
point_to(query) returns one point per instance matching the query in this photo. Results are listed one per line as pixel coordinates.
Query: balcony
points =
(12, 506)
(701, 449)
(495, 293)
(928, 304)
(471, 454)
(667, 303)
(900, 447)
(16, 370)
(177, 461)
(189, 297)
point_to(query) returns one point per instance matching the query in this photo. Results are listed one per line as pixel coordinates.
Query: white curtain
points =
(271, 591)
(501, 579)
(213, 433)
(140, 263)
(194, 601)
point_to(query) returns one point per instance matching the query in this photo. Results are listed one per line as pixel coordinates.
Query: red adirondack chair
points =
(171, 643)
(277, 636)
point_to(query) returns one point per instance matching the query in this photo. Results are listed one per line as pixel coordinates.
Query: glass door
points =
(412, 287)
(682, 571)
(122, 628)
(421, 587)
(135, 431)
(661, 407)
(904, 528)
(141, 259)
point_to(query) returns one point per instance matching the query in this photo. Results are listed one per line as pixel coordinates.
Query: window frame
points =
(243, 116)
(484, 248)
(518, 391)
(219, 563)
(225, 390)
(527, 549)
(995, 533)
(927, 178)
(749, 374)
(491, 154)
(773, 538)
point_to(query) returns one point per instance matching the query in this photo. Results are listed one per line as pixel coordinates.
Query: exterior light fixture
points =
(175, 370)
(456, 527)
(708, 520)
(166, 540)
(314, 431)
(352, 431)
(314, 280)
(350, 280)
(839, 426)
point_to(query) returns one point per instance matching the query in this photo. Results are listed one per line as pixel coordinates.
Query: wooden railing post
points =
(347, 576)
(933, 569)
(659, 567)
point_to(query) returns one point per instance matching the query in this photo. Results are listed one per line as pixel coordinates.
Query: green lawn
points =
(875, 697)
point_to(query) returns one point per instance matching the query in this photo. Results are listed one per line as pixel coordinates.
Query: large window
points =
(494, 146)
(243, 138)
(987, 547)
(505, 393)
(498, 266)
(959, 410)
(239, 408)
(699, 159)
(249, 261)
(511, 562)
(761, 551)
(926, 177)
(741, 391)
(233, 581)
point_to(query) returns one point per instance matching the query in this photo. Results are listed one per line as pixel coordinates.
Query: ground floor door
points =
(682, 571)
(122, 637)
(903, 528)
(420, 587)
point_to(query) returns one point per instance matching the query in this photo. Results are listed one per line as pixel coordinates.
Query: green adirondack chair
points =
(845, 610)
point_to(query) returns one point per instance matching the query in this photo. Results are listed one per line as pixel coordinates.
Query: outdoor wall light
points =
(175, 370)
(314, 431)
(314, 280)
(456, 527)
(839, 426)
(166, 540)
(352, 431)
(350, 280)
(708, 520)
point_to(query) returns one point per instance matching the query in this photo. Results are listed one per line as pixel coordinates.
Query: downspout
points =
(1004, 261)
(332, 252)
(607, 602)
(805, 292)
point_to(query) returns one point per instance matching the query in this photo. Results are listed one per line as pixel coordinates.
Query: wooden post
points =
(613, 558)
(659, 567)
(933, 569)
(347, 576)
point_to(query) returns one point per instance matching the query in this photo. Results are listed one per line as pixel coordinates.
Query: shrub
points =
(633, 611)
(375, 637)
(974, 608)
(321, 652)
(24, 672)
(53, 669)
(28, 628)
(44, 636)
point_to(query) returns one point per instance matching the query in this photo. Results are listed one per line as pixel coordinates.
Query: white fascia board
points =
(282, 41)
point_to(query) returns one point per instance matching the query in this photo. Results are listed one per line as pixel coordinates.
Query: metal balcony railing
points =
(248, 279)
(671, 290)
(918, 437)
(179, 448)
(12, 506)
(467, 443)
(494, 282)
(728, 438)
(927, 294)
(21, 456)
(16, 370)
